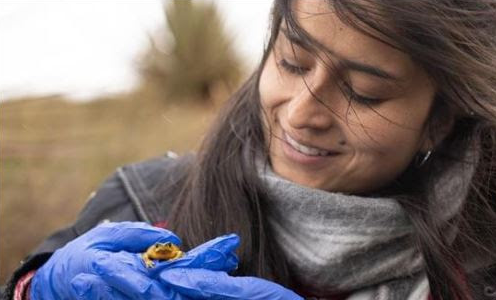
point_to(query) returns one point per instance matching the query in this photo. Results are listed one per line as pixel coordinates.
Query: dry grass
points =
(54, 153)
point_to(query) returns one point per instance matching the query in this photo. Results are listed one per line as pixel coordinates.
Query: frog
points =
(161, 251)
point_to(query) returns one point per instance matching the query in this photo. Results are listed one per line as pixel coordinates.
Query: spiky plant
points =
(200, 54)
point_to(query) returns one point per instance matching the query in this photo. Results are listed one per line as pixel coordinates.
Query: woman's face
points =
(370, 119)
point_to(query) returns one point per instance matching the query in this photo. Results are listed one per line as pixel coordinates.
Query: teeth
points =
(304, 149)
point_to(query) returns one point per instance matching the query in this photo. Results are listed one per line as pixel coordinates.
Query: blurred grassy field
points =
(54, 153)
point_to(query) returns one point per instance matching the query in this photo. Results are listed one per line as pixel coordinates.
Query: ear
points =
(437, 129)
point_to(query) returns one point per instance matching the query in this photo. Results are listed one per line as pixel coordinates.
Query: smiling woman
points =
(357, 162)
(344, 142)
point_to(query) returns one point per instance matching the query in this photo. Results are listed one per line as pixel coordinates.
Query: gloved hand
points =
(208, 284)
(98, 263)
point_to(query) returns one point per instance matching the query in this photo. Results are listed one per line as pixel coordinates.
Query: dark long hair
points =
(453, 40)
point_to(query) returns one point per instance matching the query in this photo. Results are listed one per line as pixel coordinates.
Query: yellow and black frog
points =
(161, 251)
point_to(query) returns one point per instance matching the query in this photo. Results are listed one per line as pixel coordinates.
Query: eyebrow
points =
(350, 64)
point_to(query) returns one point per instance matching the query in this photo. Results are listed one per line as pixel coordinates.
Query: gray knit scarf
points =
(342, 243)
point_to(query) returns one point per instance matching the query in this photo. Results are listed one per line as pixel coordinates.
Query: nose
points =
(309, 111)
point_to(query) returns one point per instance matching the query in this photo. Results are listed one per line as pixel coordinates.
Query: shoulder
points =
(151, 185)
(136, 191)
(143, 179)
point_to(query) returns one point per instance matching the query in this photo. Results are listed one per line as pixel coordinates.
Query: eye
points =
(292, 68)
(354, 96)
(347, 89)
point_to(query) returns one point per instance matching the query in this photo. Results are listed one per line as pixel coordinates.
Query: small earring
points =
(426, 157)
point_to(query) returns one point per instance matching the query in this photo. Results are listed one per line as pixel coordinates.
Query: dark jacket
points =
(144, 192)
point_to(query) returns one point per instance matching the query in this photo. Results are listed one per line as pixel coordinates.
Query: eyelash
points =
(296, 70)
(292, 68)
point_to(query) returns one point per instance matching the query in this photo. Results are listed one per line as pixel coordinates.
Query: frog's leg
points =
(148, 262)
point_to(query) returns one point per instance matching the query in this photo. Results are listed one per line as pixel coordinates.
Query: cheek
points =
(391, 138)
(271, 86)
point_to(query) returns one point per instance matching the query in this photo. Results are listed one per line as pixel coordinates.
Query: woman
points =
(355, 163)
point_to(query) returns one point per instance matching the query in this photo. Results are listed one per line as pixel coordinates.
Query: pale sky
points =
(86, 48)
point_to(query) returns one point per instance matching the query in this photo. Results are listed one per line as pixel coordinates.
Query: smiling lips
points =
(310, 151)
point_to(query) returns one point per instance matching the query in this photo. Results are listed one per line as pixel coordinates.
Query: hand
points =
(93, 265)
(208, 284)
(217, 255)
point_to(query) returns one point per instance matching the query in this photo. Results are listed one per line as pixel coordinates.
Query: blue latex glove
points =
(208, 284)
(96, 264)
(216, 254)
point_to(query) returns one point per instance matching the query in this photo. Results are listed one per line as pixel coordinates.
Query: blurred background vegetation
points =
(55, 152)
